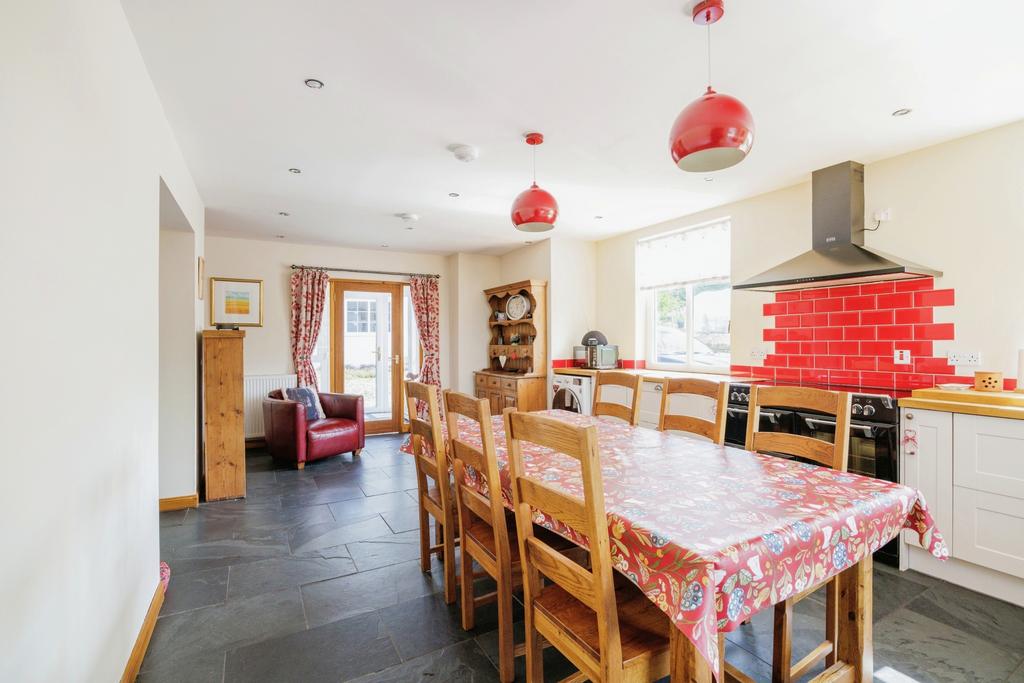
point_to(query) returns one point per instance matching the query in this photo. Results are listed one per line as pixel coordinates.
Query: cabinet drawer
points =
(989, 530)
(481, 380)
(508, 385)
(988, 454)
(494, 382)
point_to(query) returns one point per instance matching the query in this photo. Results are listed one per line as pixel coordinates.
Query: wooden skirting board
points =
(179, 502)
(131, 669)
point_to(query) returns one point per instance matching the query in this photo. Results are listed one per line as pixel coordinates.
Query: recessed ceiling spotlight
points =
(283, 213)
(314, 83)
(410, 227)
(902, 112)
(453, 195)
(280, 237)
(597, 218)
(708, 179)
(528, 242)
(383, 246)
(296, 171)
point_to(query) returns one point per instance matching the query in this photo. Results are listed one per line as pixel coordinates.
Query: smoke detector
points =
(464, 153)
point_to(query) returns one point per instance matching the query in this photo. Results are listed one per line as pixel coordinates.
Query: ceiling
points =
(602, 79)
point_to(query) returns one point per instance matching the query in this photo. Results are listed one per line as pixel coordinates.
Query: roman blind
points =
(685, 256)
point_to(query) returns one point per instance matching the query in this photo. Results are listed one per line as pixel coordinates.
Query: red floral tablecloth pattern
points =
(713, 534)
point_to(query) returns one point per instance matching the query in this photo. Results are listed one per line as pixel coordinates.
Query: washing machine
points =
(574, 393)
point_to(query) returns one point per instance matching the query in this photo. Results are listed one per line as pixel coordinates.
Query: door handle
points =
(397, 359)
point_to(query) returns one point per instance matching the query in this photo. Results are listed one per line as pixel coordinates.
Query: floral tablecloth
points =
(713, 534)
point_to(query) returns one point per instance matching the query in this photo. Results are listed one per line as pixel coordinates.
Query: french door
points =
(367, 349)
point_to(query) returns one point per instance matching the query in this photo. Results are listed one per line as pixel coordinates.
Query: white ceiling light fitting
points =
(453, 195)
(464, 153)
(314, 83)
(409, 219)
(283, 213)
(296, 171)
(902, 112)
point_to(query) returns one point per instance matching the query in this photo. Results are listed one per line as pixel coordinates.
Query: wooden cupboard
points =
(505, 391)
(223, 415)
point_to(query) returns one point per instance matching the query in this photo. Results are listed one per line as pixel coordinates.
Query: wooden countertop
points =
(1006, 404)
(661, 375)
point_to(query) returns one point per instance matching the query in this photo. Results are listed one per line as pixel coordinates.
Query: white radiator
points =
(256, 388)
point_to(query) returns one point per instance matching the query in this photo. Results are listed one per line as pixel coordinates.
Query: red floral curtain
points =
(309, 292)
(426, 304)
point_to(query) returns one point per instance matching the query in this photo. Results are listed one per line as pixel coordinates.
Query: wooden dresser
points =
(517, 350)
(223, 418)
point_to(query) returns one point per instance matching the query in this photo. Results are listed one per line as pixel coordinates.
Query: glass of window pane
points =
(670, 325)
(711, 310)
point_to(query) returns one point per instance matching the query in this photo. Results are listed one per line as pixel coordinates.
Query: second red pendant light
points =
(535, 209)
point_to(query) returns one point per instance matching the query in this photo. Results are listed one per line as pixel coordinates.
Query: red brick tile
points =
(801, 361)
(739, 369)
(915, 285)
(818, 376)
(882, 380)
(851, 290)
(787, 296)
(774, 309)
(776, 361)
(859, 333)
(958, 379)
(878, 288)
(828, 334)
(787, 375)
(1008, 384)
(773, 335)
(911, 316)
(876, 348)
(830, 362)
(913, 380)
(859, 303)
(860, 363)
(843, 319)
(942, 331)
(844, 348)
(895, 332)
(787, 321)
(876, 317)
(813, 319)
(763, 373)
(641, 364)
(828, 305)
(843, 377)
(898, 300)
(813, 348)
(801, 334)
(935, 366)
(800, 307)
(628, 364)
(558, 363)
(786, 348)
(814, 294)
(916, 348)
(935, 297)
(885, 364)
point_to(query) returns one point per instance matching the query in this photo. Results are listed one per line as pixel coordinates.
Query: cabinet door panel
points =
(988, 454)
(929, 467)
(650, 404)
(989, 530)
(495, 398)
(508, 401)
(481, 393)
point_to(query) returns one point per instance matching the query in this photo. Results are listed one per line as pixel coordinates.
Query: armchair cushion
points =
(308, 398)
(331, 436)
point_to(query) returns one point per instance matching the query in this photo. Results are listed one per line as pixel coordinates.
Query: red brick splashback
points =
(557, 363)
(847, 335)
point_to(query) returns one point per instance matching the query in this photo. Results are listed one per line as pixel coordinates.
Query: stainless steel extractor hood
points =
(838, 255)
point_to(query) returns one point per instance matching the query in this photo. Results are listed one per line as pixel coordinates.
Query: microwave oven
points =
(598, 356)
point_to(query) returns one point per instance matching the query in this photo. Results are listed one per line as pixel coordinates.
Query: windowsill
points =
(702, 370)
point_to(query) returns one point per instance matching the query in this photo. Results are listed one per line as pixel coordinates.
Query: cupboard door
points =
(989, 530)
(650, 404)
(988, 454)
(929, 467)
(508, 401)
(495, 398)
(481, 393)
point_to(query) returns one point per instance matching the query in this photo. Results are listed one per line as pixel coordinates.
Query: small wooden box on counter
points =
(223, 415)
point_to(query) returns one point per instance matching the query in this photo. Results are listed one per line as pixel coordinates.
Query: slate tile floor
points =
(315, 577)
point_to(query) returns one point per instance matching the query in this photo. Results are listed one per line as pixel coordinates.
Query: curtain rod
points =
(370, 272)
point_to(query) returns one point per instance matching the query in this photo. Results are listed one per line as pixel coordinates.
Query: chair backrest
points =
(717, 391)
(428, 447)
(630, 413)
(834, 403)
(592, 587)
(472, 504)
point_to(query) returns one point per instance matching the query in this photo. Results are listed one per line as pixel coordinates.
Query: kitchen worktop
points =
(661, 375)
(1007, 404)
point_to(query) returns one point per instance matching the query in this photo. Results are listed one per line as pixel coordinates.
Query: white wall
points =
(268, 348)
(572, 296)
(85, 143)
(178, 364)
(471, 274)
(957, 207)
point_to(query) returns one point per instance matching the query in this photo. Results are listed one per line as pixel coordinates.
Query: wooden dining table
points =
(714, 534)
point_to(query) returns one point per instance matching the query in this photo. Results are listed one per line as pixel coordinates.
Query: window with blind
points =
(685, 283)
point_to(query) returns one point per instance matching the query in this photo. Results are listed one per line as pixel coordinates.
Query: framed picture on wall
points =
(236, 302)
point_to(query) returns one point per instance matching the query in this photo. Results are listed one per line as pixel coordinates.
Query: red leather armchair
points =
(290, 437)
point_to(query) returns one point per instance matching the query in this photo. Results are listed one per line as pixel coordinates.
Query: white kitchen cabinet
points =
(928, 467)
(650, 404)
(989, 530)
(988, 454)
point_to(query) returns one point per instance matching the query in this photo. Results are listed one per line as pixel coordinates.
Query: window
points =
(321, 357)
(685, 284)
(360, 315)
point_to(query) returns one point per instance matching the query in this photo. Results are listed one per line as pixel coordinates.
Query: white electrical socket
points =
(883, 215)
(969, 359)
(758, 354)
(901, 357)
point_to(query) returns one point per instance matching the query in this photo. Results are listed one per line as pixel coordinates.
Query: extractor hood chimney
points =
(838, 255)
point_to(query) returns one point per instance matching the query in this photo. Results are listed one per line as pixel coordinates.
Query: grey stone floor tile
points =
(274, 574)
(757, 636)
(191, 590)
(1018, 675)
(227, 548)
(385, 550)
(320, 496)
(928, 651)
(173, 517)
(995, 621)
(406, 519)
(461, 663)
(378, 486)
(206, 667)
(359, 507)
(223, 627)
(312, 537)
(556, 666)
(423, 625)
(335, 599)
(338, 651)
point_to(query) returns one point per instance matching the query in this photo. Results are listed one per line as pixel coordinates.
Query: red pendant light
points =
(534, 210)
(715, 131)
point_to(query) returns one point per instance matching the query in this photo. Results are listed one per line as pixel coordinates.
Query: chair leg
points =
(534, 652)
(357, 451)
(466, 579)
(424, 539)
(439, 535)
(782, 645)
(831, 620)
(448, 538)
(506, 639)
(300, 465)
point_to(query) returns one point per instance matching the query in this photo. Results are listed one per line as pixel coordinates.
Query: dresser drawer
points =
(481, 380)
(494, 382)
(508, 385)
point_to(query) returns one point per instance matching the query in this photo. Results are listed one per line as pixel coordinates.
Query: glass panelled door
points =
(367, 345)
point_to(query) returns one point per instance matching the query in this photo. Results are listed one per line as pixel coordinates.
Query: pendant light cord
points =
(709, 53)
(534, 164)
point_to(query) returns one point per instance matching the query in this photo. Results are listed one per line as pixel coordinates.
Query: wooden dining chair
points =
(716, 391)
(608, 633)
(630, 381)
(828, 454)
(433, 481)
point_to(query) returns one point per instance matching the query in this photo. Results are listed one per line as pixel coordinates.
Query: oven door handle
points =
(867, 430)
(772, 416)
